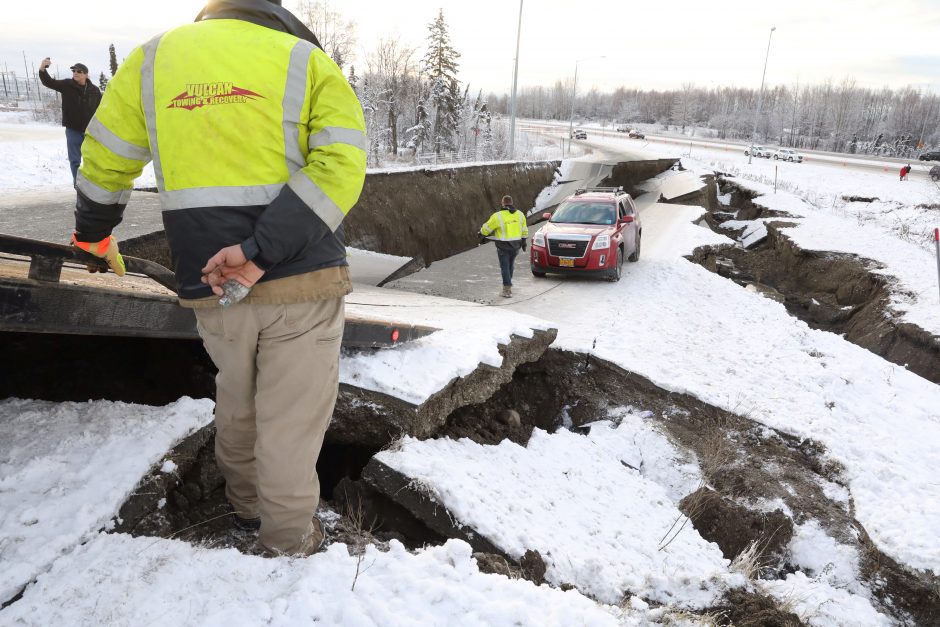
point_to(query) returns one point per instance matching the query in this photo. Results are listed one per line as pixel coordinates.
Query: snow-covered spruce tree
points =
(481, 129)
(102, 82)
(353, 79)
(440, 68)
(420, 131)
(114, 64)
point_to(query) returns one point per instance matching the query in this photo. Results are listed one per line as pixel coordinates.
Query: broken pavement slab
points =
(367, 417)
(597, 524)
(418, 499)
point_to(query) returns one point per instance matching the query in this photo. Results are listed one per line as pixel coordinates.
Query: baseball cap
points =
(80, 67)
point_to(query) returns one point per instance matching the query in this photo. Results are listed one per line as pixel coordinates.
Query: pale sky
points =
(650, 45)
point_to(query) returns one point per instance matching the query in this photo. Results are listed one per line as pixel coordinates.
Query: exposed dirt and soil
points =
(829, 291)
(757, 482)
(750, 474)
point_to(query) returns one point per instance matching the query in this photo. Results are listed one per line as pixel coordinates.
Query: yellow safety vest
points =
(506, 226)
(230, 113)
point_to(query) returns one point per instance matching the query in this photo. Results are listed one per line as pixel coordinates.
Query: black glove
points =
(523, 246)
(482, 238)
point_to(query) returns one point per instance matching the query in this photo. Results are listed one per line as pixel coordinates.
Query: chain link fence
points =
(19, 92)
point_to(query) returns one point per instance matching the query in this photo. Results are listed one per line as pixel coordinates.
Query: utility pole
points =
(515, 77)
(38, 91)
(760, 97)
(26, 66)
(574, 93)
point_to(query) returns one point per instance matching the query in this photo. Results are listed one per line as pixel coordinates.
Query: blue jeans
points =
(507, 259)
(73, 140)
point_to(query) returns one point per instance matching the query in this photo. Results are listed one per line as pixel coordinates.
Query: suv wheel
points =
(617, 272)
(636, 251)
(537, 274)
(776, 157)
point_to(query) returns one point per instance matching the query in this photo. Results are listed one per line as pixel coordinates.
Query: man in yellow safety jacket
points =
(258, 147)
(507, 227)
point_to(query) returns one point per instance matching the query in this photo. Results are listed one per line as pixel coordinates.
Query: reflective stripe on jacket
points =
(505, 226)
(256, 139)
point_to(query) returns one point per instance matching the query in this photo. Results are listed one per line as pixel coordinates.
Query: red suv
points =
(589, 233)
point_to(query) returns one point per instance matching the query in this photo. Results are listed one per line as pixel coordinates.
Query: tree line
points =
(836, 116)
(416, 106)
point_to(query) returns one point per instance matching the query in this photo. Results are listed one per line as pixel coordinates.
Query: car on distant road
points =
(578, 134)
(622, 128)
(786, 154)
(758, 151)
(933, 155)
(635, 134)
(590, 233)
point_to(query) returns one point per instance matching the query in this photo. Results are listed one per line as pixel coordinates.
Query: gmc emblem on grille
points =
(566, 245)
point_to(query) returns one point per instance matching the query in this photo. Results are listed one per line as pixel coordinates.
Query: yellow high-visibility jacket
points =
(506, 226)
(256, 138)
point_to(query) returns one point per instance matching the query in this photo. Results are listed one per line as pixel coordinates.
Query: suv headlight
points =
(601, 241)
(539, 239)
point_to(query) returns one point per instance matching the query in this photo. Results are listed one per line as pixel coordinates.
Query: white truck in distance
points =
(758, 151)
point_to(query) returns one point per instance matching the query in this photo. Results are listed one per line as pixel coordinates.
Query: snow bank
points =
(142, 581)
(66, 468)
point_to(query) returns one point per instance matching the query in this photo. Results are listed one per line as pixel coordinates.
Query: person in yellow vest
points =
(258, 148)
(507, 227)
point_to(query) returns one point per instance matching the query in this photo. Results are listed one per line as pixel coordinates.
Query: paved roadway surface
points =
(474, 275)
(685, 144)
(50, 216)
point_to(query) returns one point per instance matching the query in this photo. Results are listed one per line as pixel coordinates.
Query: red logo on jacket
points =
(207, 94)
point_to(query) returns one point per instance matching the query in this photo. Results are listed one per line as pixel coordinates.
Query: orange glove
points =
(107, 249)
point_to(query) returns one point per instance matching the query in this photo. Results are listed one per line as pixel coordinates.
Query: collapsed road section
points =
(843, 293)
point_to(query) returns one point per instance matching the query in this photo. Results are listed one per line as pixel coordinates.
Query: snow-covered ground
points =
(65, 469)
(597, 522)
(600, 524)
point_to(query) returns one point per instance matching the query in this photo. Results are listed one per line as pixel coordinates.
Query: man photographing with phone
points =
(80, 100)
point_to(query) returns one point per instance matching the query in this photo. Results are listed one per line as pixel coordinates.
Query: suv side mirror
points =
(547, 215)
(626, 219)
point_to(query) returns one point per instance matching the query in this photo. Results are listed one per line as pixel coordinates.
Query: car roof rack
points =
(608, 190)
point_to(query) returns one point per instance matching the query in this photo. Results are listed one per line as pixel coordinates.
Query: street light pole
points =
(574, 91)
(760, 98)
(515, 76)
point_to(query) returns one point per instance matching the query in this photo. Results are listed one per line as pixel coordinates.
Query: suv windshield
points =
(584, 212)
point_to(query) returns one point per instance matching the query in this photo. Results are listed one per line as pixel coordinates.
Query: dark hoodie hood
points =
(260, 12)
(510, 208)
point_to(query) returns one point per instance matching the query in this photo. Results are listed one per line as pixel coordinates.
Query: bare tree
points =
(391, 66)
(337, 35)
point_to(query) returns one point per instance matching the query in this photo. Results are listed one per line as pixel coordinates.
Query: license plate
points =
(566, 263)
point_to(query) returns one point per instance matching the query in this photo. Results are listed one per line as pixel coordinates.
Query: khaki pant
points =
(275, 392)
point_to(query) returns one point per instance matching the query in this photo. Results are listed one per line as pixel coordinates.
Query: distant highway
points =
(818, 157)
